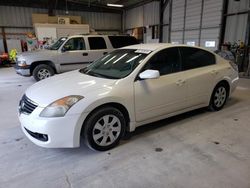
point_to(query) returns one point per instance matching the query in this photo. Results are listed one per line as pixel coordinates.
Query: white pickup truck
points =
(69, 53)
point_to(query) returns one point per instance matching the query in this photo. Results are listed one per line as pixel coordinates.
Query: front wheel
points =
(104, 128)
(43, 71)
(219, 97)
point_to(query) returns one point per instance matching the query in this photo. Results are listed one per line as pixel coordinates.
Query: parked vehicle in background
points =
(124, 89)
(69, 53)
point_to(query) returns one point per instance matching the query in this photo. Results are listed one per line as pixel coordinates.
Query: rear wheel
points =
(43, 71)
(104, 129)
(219, 97)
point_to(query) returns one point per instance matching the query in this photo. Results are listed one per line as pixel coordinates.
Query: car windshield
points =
(117, 64)
(58, 43)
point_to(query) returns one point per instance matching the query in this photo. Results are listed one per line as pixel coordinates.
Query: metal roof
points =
(79, 5)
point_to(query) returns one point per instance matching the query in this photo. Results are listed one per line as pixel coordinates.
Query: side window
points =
(194, 58)
(166, 61)
(97, 43)
(74, 44)
(121, 41)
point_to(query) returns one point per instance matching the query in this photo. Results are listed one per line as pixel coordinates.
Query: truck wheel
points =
(43, 71)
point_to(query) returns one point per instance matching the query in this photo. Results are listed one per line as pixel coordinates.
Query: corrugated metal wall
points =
(238, 6)
(177, 23)
(21, 16)
(190, 21)
(141, 16)
(196, 21)
(165, 37)
(211, 22)
(134, 18)
(13, 17)
(17, 16)
(236, 24)
(97, 20)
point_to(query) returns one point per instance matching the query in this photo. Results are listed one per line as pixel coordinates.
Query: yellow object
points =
(12, 54)
(242, 44)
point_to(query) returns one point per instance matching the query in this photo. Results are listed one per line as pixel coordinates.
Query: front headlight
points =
(21, 62)
(60, 106)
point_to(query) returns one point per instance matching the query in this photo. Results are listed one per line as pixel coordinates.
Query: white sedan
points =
(124, 89)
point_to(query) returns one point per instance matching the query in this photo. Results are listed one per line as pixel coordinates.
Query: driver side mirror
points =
(149, 74)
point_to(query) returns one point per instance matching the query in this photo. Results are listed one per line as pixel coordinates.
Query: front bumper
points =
(24, 71)
(58, 132)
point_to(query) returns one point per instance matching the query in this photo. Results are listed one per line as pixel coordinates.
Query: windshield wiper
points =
(94, 74)
(91, 73)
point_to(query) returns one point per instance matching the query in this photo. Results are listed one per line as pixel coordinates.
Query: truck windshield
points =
(58, 43)
(115, 65)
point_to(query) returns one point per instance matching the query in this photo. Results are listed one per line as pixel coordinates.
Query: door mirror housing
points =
(149, 74)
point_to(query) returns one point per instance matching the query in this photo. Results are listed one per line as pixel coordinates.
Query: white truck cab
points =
(69, 53)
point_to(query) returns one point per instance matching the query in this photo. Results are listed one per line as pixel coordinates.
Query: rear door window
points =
(97, 43)
(195, 58)
(121, 41)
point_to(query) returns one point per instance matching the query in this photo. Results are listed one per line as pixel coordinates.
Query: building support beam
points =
(247, 49)
(201, 18)
(4, 40)
(163, 5)
(170, 20)
(223, 22)
(247, 39)
(184, 24)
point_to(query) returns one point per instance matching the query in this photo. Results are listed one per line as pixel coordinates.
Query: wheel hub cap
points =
(106, 130)
(220, 97)
(43, 73)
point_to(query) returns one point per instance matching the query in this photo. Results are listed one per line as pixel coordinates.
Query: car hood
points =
(71, 83)
(37, 54)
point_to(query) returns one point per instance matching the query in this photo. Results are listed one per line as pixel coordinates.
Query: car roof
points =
(95, 35)
(158, 46)
(151, 47)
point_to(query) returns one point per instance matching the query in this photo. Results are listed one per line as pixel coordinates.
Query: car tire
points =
(104, 128)
(43, 71)
(219, 97)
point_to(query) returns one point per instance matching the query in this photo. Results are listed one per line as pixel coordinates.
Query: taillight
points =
(234, 66)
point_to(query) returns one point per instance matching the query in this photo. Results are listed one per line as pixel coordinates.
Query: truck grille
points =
(26, 106)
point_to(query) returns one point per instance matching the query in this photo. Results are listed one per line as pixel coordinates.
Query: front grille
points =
(26, 106)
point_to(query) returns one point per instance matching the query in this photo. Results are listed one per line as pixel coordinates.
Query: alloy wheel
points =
(220, 97)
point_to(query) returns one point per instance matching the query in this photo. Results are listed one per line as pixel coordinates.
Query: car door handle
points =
(104, 53)
(180, 82)
(214, 72)
(85, 54)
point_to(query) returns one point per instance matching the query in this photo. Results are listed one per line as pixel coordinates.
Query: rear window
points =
(195, 58)
(121, 41)
(97, 43)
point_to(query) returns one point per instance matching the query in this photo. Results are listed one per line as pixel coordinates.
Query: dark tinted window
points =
(166, 61)
(121, 41)
(194, 58)
(75, 44)
(96, 43)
